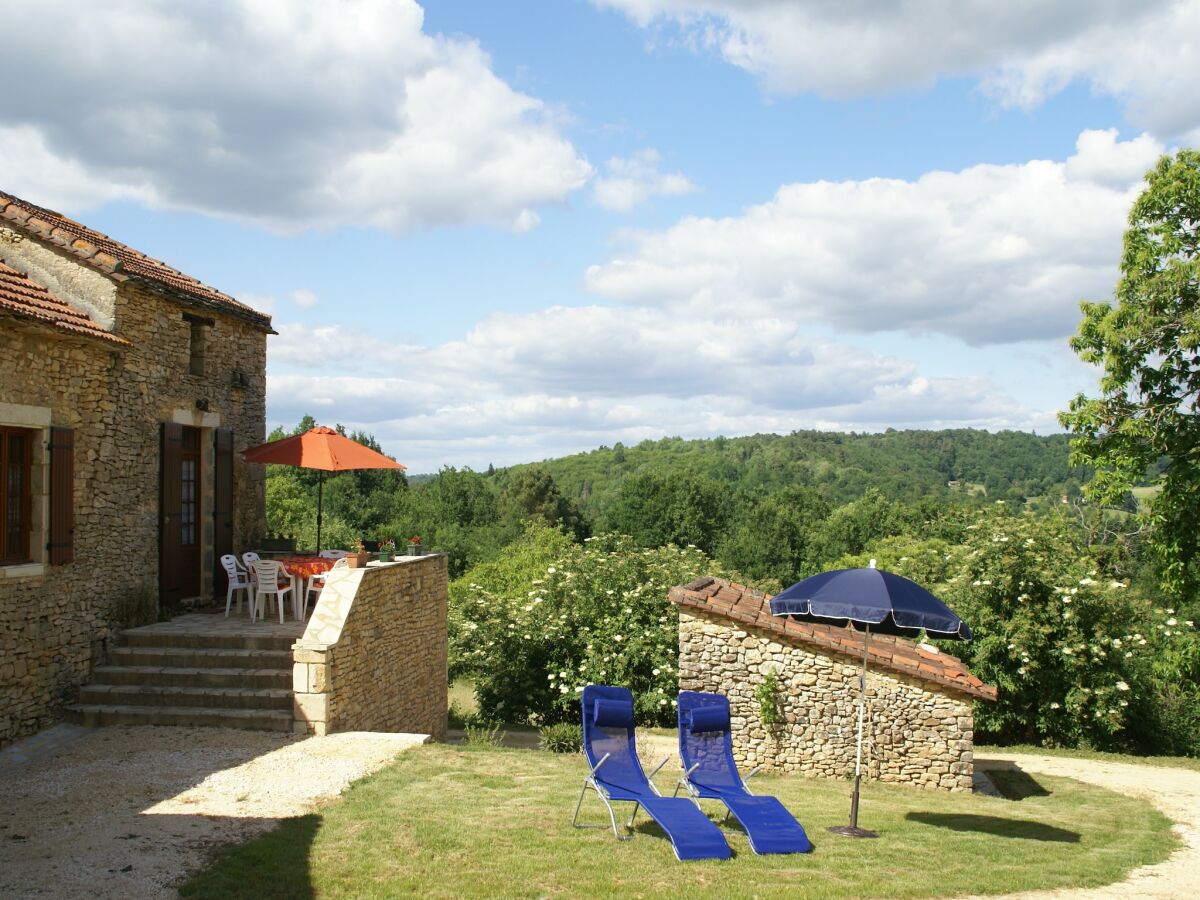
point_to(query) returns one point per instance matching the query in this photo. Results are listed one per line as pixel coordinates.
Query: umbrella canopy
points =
(883, 601)
(322, 449)
(886, 602)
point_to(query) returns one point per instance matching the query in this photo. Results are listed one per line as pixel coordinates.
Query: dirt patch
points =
(132, 811)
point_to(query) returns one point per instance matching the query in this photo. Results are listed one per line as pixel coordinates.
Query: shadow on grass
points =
(1023, 829)
(275, 865)
(1012, 781)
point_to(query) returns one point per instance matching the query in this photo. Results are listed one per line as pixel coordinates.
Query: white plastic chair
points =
(269, 574)
(239, 580)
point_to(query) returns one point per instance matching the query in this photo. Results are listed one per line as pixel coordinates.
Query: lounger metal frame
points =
(608, 800)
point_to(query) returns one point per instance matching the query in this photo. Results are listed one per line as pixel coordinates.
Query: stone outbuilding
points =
(920, 727)
(126, 390)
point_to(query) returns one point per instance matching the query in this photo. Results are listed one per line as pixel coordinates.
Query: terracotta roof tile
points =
(718, 597)
(118, 260)
(23, 297)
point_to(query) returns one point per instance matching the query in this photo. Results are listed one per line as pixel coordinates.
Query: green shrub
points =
(484, 734)
(1080, 659)
(561, 737)
(534, 627)
(767, 695)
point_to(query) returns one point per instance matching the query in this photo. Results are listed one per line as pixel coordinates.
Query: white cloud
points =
(633, 180)
(264, 303)
(304, 298)
(1138, 51)
(529, 386)
(320, 114)
(990, 254)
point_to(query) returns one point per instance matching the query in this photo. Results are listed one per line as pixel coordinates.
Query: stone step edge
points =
(194, 712)
(96, 690)
(188, 671)
(196, 657)
(216, 652)
(213, 641)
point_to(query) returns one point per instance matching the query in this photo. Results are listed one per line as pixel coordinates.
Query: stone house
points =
(920, 729)
(126, 389)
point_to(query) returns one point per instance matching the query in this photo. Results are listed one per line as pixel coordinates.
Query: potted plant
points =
(414, 545)
(386, 548)
(358, 555)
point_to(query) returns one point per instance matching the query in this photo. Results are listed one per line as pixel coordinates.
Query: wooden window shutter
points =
(170, 513)
(222, 503)
(61, 545)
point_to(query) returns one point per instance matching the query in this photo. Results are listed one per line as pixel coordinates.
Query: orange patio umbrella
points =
(322, 449)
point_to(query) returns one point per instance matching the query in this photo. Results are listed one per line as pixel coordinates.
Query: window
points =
(16, 492)
(196, 349)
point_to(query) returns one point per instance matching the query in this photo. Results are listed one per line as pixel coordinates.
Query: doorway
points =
(180, 514)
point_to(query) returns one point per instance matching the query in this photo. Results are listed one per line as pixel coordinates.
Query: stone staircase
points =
(205, 671)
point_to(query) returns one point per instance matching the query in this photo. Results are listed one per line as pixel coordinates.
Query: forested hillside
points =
(903, 465)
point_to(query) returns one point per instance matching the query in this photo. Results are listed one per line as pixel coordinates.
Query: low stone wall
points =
(373, 657)
(916, 733)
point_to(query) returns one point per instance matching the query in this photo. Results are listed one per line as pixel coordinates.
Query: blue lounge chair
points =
(706, 749)
(616, 774)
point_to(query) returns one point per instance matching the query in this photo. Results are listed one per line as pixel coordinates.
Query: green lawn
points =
(452, 821)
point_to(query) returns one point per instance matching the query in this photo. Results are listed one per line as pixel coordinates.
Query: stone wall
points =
(916, 734)
(374, 655)
(55, 621)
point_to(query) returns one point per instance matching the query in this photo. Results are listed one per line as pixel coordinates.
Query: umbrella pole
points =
(320, 490)
(852, 830)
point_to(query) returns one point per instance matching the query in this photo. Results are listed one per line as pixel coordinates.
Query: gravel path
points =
(130, 811)
(1175, 792)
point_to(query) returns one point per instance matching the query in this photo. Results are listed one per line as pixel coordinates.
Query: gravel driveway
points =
(130, 811)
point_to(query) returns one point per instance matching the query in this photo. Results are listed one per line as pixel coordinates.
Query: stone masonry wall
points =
(374, 655)
(915, 734)
(55, 621)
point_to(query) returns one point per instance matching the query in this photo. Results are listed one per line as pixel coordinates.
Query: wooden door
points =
(222, 504)
(180, 511)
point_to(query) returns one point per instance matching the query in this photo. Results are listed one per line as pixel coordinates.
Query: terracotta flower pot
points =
(357, 560)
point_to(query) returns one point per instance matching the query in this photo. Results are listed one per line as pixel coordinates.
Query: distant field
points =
(1143, 495)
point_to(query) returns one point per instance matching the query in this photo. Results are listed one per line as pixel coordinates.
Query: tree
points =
(773, 538)
(1149, 346)
(533, 494)
(851, 528)
(659, 508)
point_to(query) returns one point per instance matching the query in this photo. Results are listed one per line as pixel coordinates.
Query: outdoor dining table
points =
(301, 568)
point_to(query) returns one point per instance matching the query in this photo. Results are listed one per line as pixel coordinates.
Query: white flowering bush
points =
(1079, 659)
(532, 628)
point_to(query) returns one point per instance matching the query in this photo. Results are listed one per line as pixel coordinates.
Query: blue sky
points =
(499, 232)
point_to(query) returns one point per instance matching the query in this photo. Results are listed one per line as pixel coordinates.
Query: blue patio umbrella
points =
(874, 599)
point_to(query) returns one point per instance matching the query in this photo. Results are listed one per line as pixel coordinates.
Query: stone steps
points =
(178, 641)
(184, 676)
(200, 657)
(93, 715)
(157, 695)
(214, 673)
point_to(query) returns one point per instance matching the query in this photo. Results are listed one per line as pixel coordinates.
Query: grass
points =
(1168, 762)
(450, 821)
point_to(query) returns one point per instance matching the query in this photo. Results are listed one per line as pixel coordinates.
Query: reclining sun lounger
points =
(616, 774)
(706, 749)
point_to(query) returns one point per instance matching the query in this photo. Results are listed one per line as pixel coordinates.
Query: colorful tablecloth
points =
(306, 566)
